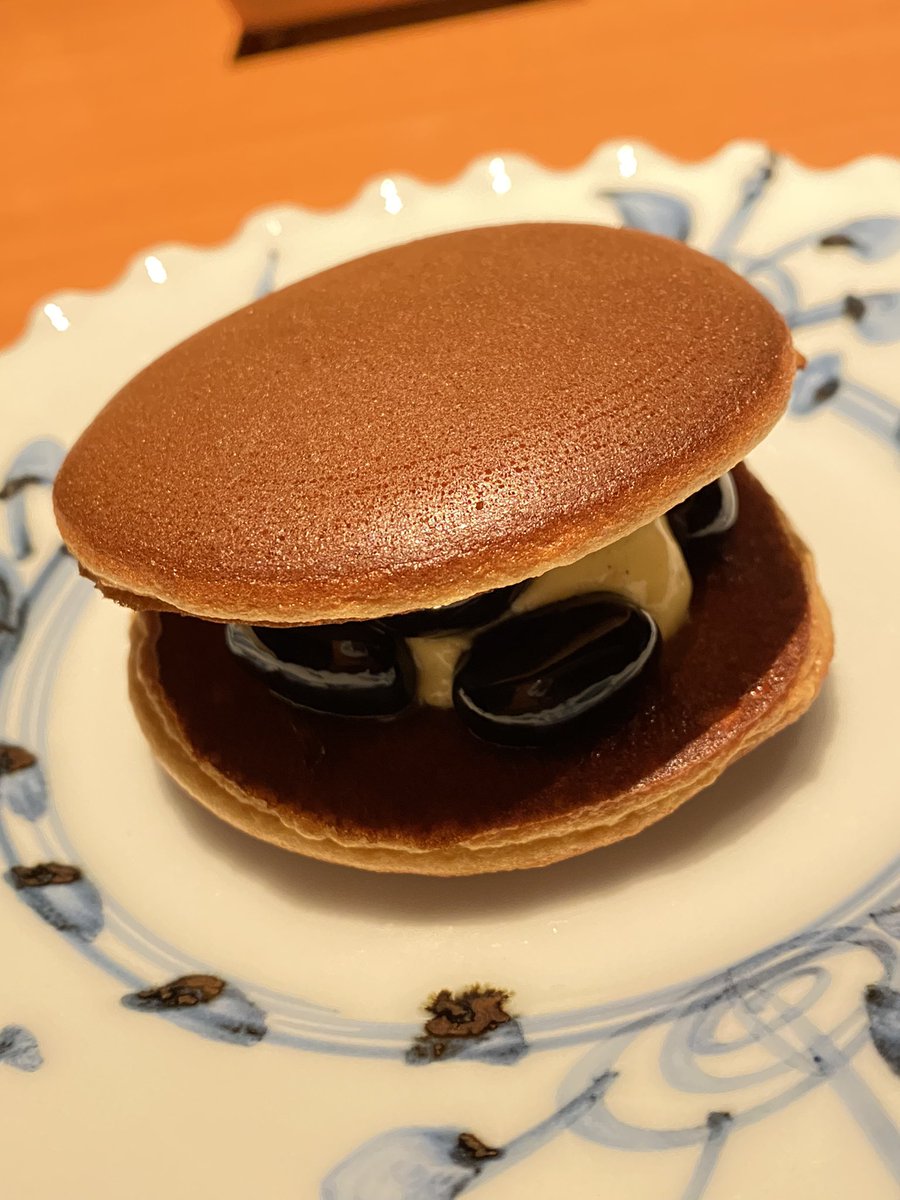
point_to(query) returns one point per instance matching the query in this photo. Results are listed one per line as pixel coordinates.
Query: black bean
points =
(538, 676)
(353, 670)
(451, 618)
(708, 513)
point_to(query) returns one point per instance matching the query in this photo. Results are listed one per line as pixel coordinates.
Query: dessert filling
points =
(647, 568)
(520, 664)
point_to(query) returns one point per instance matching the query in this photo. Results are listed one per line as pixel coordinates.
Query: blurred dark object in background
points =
(279, 24)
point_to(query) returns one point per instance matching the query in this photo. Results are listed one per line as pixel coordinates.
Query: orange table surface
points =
(126, 122)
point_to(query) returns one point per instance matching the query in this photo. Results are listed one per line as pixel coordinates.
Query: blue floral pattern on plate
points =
(19, 1048)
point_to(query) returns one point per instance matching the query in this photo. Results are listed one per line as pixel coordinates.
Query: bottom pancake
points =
(421, 794)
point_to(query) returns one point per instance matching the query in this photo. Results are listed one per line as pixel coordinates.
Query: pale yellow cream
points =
(647, 567)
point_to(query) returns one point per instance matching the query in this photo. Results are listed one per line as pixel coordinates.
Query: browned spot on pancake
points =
(425, 779)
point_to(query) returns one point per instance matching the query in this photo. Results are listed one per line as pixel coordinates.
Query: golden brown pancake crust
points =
(424, 423)
(750, 659)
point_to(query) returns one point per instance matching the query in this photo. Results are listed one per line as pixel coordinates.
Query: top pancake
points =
(422, 424)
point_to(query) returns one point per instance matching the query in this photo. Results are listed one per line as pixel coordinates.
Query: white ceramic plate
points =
(708, 1009)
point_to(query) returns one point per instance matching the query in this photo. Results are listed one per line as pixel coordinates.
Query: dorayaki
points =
(445, 560)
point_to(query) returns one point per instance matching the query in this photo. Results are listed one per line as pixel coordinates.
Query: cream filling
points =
(647, 567)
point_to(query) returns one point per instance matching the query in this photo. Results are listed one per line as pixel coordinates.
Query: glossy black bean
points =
(451, 618)
(708, 513)
(545, 674)
(352, 670)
